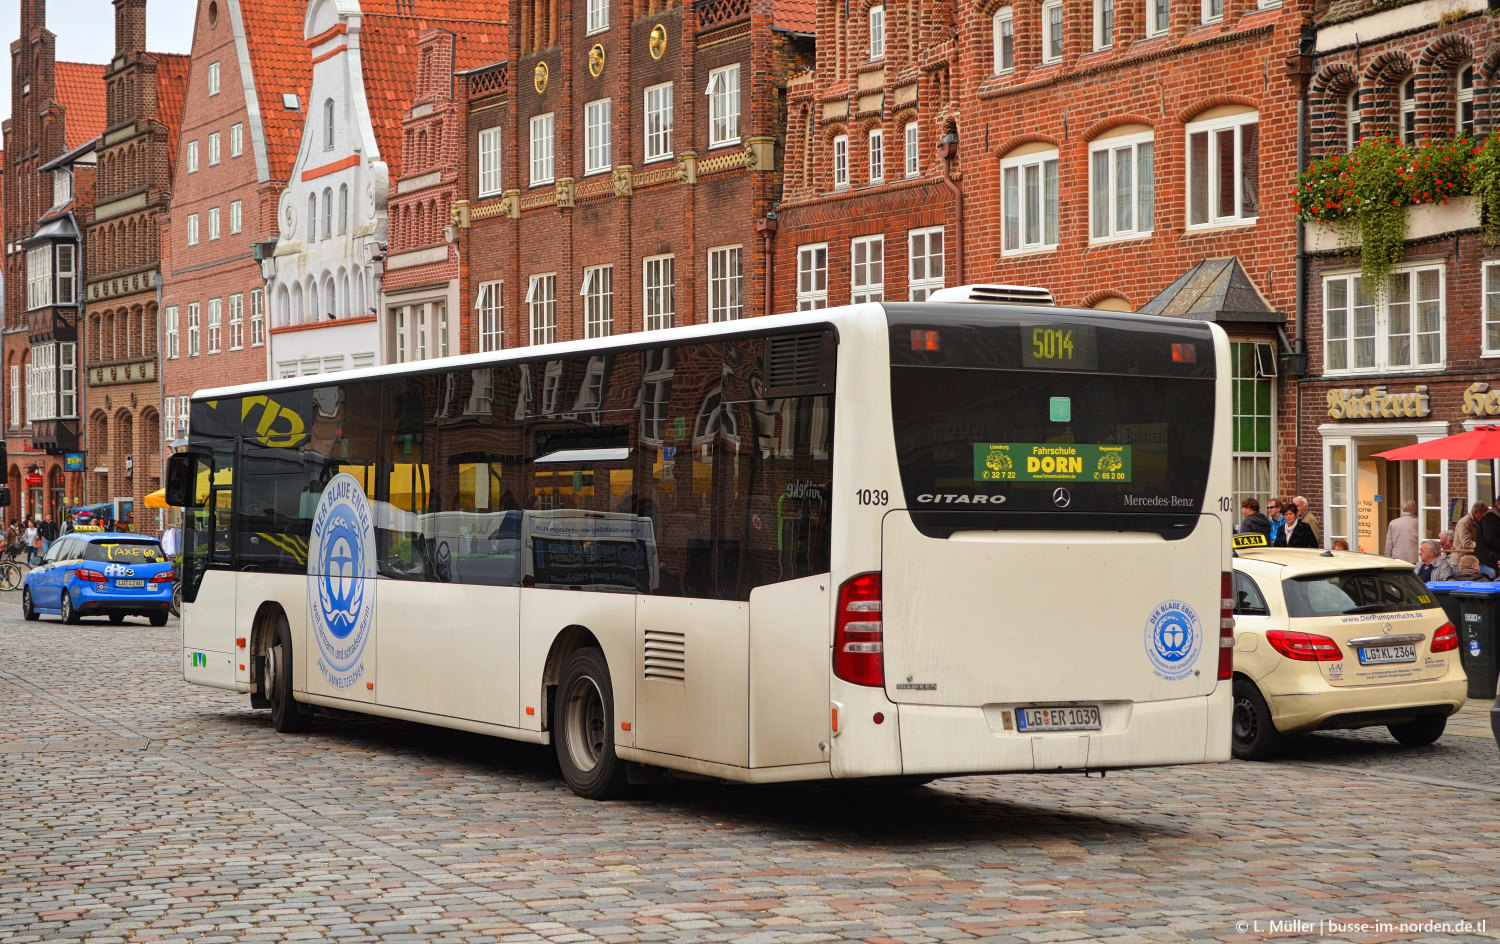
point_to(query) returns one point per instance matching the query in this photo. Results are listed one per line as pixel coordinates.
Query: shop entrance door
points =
(1381, 488)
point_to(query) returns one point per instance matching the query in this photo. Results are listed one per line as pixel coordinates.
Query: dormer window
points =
(62, 187)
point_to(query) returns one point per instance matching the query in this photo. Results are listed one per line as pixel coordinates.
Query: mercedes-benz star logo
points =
(1061, 498)
(1387, 629)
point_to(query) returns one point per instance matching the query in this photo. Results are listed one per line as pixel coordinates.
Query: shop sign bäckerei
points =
(1480, 400)
(1357, 404)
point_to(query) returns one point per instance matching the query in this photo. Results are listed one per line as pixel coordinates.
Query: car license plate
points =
(1381, 655)
(1082, 718)
(130, 584)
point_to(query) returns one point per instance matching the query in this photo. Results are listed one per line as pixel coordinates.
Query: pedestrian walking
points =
(1401, 534)
(33, 541)
(48, 529)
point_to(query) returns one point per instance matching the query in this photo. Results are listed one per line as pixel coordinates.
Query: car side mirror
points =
(184, 484)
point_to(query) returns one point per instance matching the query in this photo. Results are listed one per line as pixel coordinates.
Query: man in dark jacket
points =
(1253, 522)
(1487, 541)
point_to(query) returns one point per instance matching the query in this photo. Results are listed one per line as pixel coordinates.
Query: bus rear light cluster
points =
(858, 644)
(1445, 639)
(1226, 626)
(1304, 647)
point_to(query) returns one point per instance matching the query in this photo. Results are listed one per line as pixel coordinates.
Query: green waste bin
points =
(1479, 635)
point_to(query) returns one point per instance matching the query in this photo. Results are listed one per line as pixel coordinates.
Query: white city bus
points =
(884, 540)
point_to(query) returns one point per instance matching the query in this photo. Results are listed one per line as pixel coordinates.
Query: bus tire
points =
(1253, 735)
(583, 719)
(288, 716)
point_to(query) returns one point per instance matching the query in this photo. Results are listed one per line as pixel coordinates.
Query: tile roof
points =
(794, 16)
(80, 89)
(281, 63)
(171, 89)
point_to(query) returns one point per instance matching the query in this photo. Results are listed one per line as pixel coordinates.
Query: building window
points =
(193, 328)
(236, 139)
(236, 216)
(67, 380)
(596, 158)
(213, 148)
(812, 277)
(41, 383)
(1003, 35)
(913, 159)
(171, 328)
(1213, 10)
(421, 311)
(659, 122)
(192, 157)
(343, 209)
(877, 32)
(598, 16)
(17, 415)
(213, 223)
(541, 150)
(1253, 426)
(877, 156)
(1223, 170)
(1160, 17)
(1401, 331)
(1121, 187)
(213, 78)
(312, 217)
(598, 295)
(400, 329)
(257, 318)
(491, 308)
(1351, 119)
(1465, 98)
(1104, 24)
(1052, 31)
(661, 292)
(62, 187)
(328, 125)
(541, 301)
(1409, 111)
(724, 106)
(327, 212)
(39, 276)
(169, 418)
(215, 324)
(182, 416)
(1029, 202)
(489, 162)
(725, 302)
(924, 262)
(841, 162)
(236, 322)
(67, 274)
(867, 269)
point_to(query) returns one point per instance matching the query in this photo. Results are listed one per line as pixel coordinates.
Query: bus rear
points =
(1043, 588)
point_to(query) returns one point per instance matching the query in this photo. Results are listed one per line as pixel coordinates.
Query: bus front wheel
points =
(288, 716)
(583, 719)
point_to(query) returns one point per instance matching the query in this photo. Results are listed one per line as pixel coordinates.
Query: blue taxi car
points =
(100, 574)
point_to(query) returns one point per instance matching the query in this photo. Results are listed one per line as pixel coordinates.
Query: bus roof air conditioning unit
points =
(994, 294)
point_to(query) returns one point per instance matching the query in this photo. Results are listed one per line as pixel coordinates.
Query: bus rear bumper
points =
(213, 669)
(951, 741)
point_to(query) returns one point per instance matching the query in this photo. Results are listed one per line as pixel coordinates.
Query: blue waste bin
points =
(1479, 635)
(1443, 591)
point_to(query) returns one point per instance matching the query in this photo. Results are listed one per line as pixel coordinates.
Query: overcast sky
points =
(85, 31)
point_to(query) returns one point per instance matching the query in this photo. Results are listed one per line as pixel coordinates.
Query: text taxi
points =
(1336, 639)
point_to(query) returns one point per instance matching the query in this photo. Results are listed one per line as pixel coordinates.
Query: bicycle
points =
(175, 607)
(12, 571)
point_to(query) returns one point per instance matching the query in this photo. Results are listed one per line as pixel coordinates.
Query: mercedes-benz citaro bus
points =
(977, 534)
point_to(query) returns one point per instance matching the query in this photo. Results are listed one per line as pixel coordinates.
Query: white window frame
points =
(236, 139)
(236, 216)
(65, 292)
(541, 304)
(489, 162)
(926, 267)
(67, 380)
(213, 78)
(1016, 171)
(172, 336)
(598, 294)
(215, 325)
(1158, 17)
(1139, 192)
(420, 331)
(192, 157)
(41, 382)
(841, 162)
(598, 16)
(329, 134)
(541, 150)
(237, 321)
(726, 284)
(1003, 40)
(1211, 129)
(912, 136)
(182, 416)
(658, 107)
(1463, 98)
(193, 329)
(213, 148)
(17, 413)
(192, 229)
(257, 318)
(169, 419)
(62, 186)
(1212, 11)
(490, 304)
(724, 106)
(1408, 123)
(867, 269)
(659, 291)
(1489, 334)
(877, 32)
(596, 129)
(812, 276)
(39, 276)
(1352, 118)
(1343, 331)
(877, 155)
(1104, 24)
(1052, 32)
(213, 223)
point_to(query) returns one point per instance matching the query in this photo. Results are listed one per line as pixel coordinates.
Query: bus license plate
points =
(130, 584)
(1382, 655)
(1084, 718)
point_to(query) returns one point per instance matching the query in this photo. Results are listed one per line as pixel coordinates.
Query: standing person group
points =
(1299, 527)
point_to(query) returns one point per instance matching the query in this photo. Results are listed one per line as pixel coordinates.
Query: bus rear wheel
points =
(288, 716)
(583, 721)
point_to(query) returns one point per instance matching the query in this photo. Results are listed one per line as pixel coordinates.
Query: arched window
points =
(1409, 110)
(284, 306)
(344, 294)
(312, 217)
(343, 209)
(327, 212)
(332, 301)
(328, 125)
(1351, 118)
(1465, 99)
(297, 303)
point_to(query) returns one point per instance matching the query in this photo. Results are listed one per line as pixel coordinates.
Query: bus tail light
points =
(1226, 627)
(1304, 647)
(92, 576)
(1445, 639)
(858, 649)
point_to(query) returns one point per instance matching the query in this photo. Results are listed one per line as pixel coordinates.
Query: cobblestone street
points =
(134, 807)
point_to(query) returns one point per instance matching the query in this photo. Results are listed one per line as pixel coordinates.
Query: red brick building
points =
(1419, 360)
(1097, 149)
(57, 112)
(120, 330)
(236, 149)
(623, 163)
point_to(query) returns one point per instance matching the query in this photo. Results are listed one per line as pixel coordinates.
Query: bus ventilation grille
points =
(665, 656)
(994, 294)
(796, 360)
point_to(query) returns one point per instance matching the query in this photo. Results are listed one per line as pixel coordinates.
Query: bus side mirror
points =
(4, 496)
(182, 479)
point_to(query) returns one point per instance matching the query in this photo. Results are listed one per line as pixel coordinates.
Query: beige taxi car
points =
(1337, 639)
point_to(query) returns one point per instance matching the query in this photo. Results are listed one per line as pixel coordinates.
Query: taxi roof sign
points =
(1242, 541)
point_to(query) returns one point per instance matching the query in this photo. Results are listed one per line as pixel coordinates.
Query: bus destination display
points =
(1051, 462)
(1059, 347)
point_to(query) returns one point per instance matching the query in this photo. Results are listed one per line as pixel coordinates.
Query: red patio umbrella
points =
(1479, 443)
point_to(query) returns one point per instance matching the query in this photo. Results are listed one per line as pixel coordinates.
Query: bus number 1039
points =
(872, 496)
